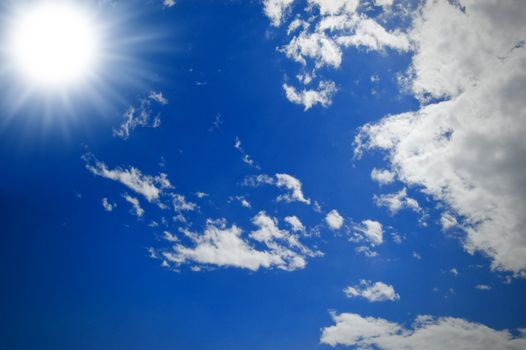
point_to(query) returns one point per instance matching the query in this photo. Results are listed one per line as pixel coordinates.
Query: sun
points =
(53, 44)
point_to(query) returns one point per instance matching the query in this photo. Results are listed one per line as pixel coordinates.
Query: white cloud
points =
(311, 97)
(367, 251)
(383, 177)
(371, 35)
(295, 223)
(373, 292)
(426, 333)
(169, 3)
(384, 3)
(201, 195)
(483, 287)
(334, 220)
(107, 205)
(181, 204)
(137, 210)
(275, 10)
(151, 187)
(454, 271)
(316, 46)
(243, 201)
(317, 41)
(397, 201)
(294, 186)
(170, 237)
(448, 221)
(371, 231)
(335, 7)
(466, 148)
(141, 116)
(220, 245)
(158, 96)
(246, 158)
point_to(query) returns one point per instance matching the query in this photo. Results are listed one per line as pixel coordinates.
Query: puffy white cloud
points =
(397, 201)
(373, 292)
(367, 251)
(243, 201)
(448, 221)
(220, 245)
(169, 3)
(317, 41)
(371, 35)
(383, 177)
(483, 287)
(158, 96)
(311, 97)
(316, 46)
(384, 3)
(334, 220)
(294, 186)
(275, 10)
(137, 210)
(181, 204)
(426, 333)
(151, 187)
(295, 223)
(335, 7)
(465, 146)
(107, 205)
(141, 116)
(245, 157)
(371, 231)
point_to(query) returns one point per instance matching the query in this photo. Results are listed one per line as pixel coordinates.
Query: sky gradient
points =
(272, 174)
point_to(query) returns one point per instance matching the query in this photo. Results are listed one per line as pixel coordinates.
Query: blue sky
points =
(221, 183)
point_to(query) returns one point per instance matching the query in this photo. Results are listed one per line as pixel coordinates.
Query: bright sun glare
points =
(53, 44)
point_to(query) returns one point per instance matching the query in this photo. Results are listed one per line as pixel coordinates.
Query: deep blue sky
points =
(74, 276)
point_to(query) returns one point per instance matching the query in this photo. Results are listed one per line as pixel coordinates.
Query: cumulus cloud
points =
(220, 245)
(151, 187)
(169, 3)
(294, 187)
(245, 157)
(383, 176)
(311, 97)
(426, 333)
(483, 287)
(370, 231)
(397, 201)
(243, 201)
(465, 145)
(180, 203)
(295, 224)
(107, 205)
(318, 34)
(367, 251)
(384, 3)
(286, 181)
(334, 220)
(335, 7)
(373, 292)
(275, 10)
(137, 210)
(141, 116)
(316, 46)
